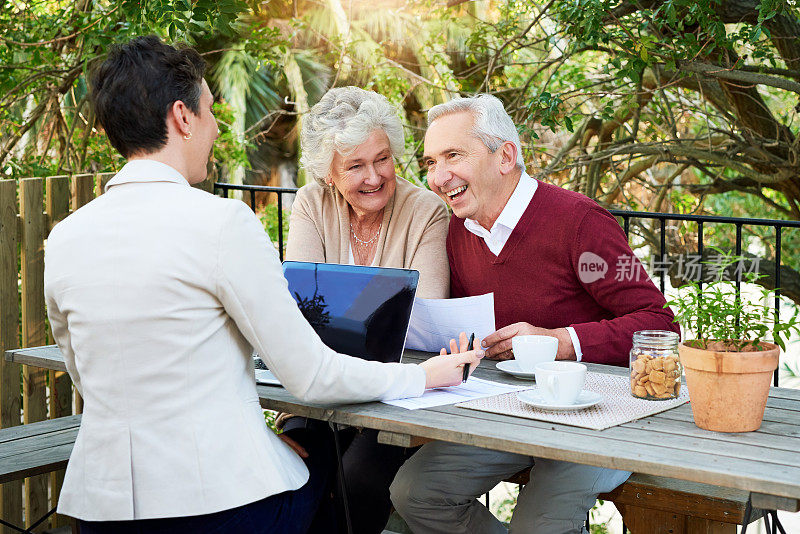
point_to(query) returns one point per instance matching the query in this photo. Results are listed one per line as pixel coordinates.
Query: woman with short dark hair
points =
(157, 293)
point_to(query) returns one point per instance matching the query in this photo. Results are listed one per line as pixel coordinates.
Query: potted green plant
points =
(730, 362)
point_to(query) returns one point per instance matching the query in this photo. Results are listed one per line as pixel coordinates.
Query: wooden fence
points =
(28, 211)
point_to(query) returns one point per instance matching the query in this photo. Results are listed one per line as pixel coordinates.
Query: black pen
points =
(466, 365)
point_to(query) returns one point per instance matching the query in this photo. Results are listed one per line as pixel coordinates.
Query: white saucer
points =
(512, 367)
(534, 398)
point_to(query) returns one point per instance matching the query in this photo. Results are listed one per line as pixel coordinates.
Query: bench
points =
(36, 448)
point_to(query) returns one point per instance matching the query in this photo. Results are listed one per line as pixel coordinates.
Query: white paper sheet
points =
(434, 322)
(473, 388)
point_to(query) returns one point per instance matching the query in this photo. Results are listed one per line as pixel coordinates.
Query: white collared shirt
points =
(146, 170)
(512, 212)
(502, 228)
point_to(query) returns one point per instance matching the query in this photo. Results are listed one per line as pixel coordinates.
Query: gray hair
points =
(493, 125)
(342, 120)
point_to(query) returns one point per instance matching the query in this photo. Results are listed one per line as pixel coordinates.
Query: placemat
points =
(617, 407)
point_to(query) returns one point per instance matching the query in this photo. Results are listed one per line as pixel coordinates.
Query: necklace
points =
(360, 241)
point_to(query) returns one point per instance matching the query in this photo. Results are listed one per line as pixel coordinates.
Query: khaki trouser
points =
(436, 491)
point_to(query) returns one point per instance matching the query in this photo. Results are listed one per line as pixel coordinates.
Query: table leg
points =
(340, 470)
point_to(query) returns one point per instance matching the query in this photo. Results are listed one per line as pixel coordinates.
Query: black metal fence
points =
(662, 218)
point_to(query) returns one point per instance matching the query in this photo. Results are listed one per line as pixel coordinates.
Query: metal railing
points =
(626, 216)
(252, 190)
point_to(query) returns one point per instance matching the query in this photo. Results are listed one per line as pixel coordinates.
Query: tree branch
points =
(493, 59)
(702, 155)
(37, 112)
(754, 78)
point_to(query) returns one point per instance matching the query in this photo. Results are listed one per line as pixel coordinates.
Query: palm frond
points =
(316, 75)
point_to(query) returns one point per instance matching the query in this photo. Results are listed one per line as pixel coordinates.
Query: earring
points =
(188, 136)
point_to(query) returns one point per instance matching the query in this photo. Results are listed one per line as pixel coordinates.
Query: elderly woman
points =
(357, 211)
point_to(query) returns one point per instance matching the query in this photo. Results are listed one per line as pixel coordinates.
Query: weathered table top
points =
(765, 462)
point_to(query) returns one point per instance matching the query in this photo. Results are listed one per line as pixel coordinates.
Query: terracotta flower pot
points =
(728, 390)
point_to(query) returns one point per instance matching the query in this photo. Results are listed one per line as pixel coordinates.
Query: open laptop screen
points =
(356, 310)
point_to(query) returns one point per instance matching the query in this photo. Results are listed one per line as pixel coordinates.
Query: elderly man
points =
(531, 244)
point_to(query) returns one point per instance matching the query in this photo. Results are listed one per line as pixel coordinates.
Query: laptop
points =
(357, 310)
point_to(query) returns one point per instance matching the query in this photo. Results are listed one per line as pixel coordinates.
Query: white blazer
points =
(156, 293)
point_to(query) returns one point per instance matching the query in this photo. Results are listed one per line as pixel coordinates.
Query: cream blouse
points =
(413, 233)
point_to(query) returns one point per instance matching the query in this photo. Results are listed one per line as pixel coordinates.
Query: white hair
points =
(342, 120)
(492, 125)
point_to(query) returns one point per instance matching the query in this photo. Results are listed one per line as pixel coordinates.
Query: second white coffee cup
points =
(560, 382)
(532, 350)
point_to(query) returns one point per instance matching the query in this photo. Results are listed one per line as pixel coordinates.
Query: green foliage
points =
(596, 526)
(46, 124)
(269, 218)
(229, 148)
(269, 417)
(178, 20)
(756, 240)
(613, 71)
(790, 373)
(716, 312)
(503, 508)
(545, 110)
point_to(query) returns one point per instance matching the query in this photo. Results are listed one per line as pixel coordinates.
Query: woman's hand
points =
(296, 447)
(448, 370)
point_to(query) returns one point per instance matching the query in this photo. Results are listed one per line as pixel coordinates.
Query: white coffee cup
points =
(560, 382)
(532, 350)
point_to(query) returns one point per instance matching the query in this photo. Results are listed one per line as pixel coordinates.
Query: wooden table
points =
(766, 462)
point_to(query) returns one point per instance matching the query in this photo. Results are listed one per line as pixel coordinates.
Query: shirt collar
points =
(514, 208)
(146, 171)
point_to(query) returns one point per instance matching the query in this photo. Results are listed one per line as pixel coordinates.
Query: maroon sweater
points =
(537, 277)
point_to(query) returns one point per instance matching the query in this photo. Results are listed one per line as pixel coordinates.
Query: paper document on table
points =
(473, 388)
(434, 322)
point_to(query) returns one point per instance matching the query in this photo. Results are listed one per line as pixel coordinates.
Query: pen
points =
(466, 365)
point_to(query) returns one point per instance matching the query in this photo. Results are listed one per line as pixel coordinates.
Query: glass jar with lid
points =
(655, 367)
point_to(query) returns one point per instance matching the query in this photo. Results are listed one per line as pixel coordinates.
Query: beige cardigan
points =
(413, 233)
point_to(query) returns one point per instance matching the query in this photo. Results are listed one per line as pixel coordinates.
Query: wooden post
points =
(34, 393)
(11, 492)
(100, 183)
(60, 385)
(82, 186)
(82, 193)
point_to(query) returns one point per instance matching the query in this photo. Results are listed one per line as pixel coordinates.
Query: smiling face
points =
(365, 177)
(461, 170)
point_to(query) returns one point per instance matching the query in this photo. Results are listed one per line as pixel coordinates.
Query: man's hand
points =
(498, 344)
